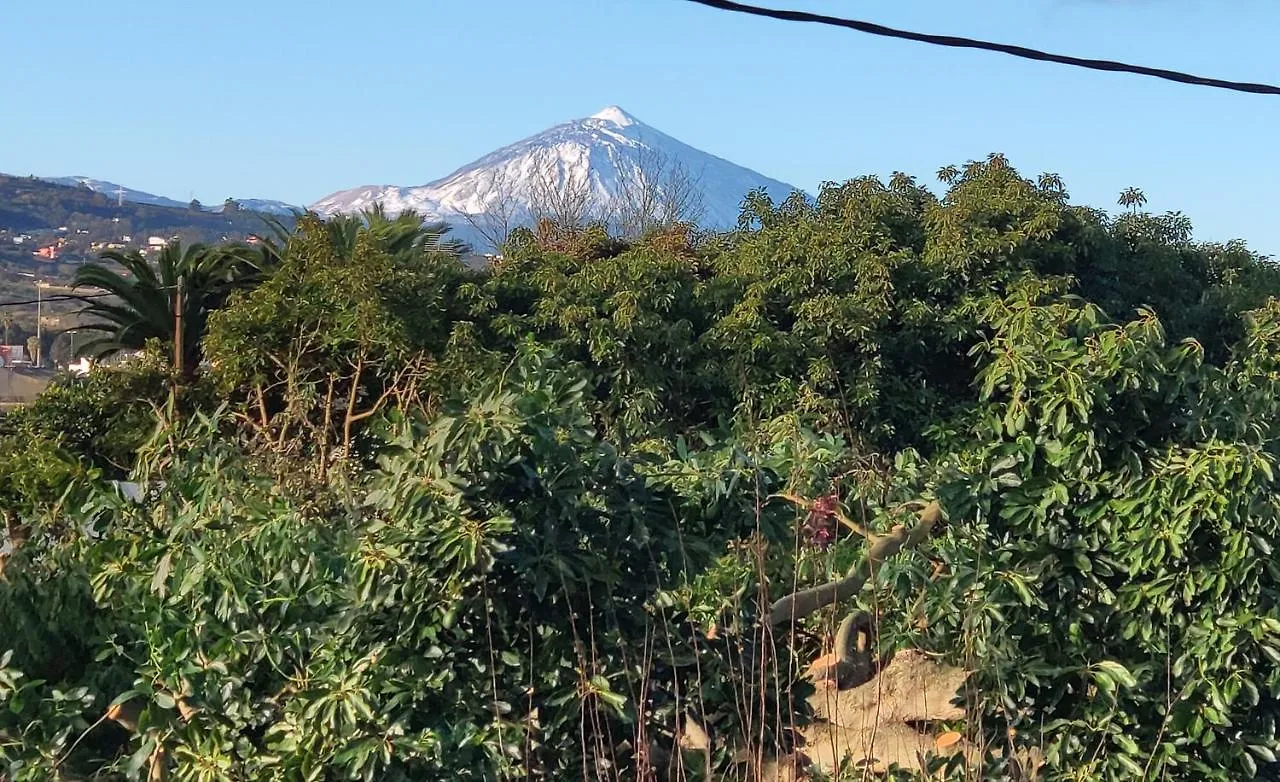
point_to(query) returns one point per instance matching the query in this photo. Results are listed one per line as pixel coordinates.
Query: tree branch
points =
(800, 604)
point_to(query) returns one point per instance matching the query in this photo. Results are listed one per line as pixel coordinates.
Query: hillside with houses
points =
(49, 229)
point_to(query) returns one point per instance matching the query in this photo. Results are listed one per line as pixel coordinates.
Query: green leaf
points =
(1129, 764)
(161, 576)
(1116, 672)
(1263, 752)
(1019, 586)
(193, 576)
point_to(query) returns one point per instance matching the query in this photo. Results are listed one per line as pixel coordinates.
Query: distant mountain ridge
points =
(598, 155)
(602, 158)
(115, 191)
(49, 227)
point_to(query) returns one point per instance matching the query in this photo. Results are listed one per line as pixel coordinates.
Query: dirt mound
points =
(893, 718)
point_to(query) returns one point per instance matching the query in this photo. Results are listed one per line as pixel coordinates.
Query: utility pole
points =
(39, 321)
(177, 328)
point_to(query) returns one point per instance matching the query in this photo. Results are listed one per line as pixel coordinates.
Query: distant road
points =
(18, 387)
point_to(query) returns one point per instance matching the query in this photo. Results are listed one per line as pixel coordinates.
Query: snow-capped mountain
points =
(602, 159)
(114, 191)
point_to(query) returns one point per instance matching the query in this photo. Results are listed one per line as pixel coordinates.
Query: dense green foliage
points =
(858, 310)
(1112, 574)
(415, 521)
(350, 319)
(100, 419)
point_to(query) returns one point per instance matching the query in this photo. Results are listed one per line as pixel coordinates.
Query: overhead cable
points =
(59, 297)
(971, 43)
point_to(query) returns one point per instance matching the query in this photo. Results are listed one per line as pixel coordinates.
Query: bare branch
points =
(501, 210)
(557, 194)
(655, 190)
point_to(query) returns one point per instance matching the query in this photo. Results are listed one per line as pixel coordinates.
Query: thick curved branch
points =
(855, 624)
(800, 604)
(852, 663)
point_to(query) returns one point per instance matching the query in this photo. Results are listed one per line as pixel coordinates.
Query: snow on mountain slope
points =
(264, 205)
(114, 191)
(602, 155)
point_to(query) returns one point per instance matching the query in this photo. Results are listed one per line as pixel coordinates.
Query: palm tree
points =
(403, 235)
(145, 302)
(149, 301)
(6, 320)
(270, 249)
(1052, 183)
(1132, 198)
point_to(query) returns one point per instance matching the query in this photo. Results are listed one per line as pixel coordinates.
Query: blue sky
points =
(292, 100)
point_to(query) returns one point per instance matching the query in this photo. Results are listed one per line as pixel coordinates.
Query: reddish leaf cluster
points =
(819, 528)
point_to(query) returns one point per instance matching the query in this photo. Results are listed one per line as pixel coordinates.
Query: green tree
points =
(629, 312)
(349, 320)
(405, 236)
(1126, 490)
(33, 473)
(460, 559)
(101, 419)
(1132, 198)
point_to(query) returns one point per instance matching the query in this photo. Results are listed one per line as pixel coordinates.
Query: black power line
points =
(48, 299)
(1003, 48)
(72, 296)
(61, 297)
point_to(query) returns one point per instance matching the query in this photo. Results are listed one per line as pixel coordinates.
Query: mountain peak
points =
(596, 158)
(616, 115)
